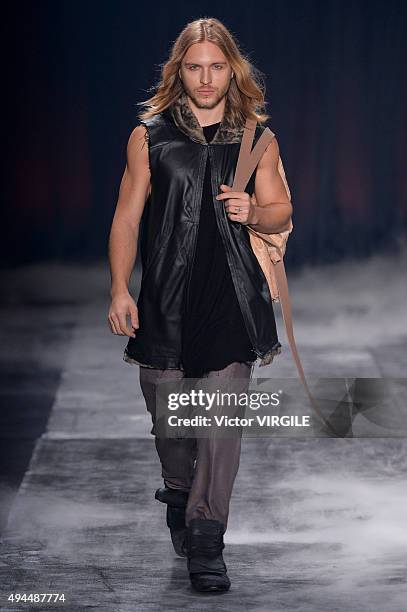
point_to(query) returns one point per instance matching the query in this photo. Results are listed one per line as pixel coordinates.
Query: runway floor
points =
(316, 524)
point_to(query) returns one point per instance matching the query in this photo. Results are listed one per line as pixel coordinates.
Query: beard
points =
(209, 102)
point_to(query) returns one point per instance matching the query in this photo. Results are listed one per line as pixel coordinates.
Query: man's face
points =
(206, 74)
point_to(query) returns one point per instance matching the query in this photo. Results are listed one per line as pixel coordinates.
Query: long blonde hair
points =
(245, 97)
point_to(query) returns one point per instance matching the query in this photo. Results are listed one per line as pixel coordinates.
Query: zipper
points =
(229, 258)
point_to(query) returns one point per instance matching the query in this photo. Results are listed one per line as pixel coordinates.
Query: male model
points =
(204, 309)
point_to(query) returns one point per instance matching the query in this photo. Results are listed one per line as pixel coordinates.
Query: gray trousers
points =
(206, 467)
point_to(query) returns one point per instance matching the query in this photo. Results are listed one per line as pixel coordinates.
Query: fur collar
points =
(187, 122)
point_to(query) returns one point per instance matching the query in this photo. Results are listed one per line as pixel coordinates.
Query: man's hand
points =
(269, 209)
(122, 306)
(239, 205)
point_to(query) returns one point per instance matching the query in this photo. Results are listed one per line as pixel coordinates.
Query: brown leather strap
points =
(248, 158)
(246, 163)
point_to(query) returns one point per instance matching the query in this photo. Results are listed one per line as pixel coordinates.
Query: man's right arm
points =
(133, 193)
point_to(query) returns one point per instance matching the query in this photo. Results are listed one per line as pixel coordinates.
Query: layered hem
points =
(265, 360)
(128, 359)
(269, 356)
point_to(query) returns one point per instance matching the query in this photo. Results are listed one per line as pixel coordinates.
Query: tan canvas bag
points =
(270, 248)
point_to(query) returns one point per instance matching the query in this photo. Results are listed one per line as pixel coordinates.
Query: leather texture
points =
(205, 545)
(177, 155)
(176, 501)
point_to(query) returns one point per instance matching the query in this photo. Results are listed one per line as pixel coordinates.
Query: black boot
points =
(207, 569)
(176, 501)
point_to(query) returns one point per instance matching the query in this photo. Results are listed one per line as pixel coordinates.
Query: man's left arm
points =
(271, 208)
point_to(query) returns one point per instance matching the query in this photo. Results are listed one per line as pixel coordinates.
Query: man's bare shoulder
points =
(270, 156)
(137, 146)
(138, 137)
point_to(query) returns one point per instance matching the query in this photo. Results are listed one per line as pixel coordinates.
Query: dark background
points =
(336, 91)
(73, 73)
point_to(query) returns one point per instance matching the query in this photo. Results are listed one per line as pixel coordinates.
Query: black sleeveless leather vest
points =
(168, 231)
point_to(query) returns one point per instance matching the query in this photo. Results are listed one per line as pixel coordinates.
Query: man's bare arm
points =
(133, 193)
(269, 209)
(273, 209)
